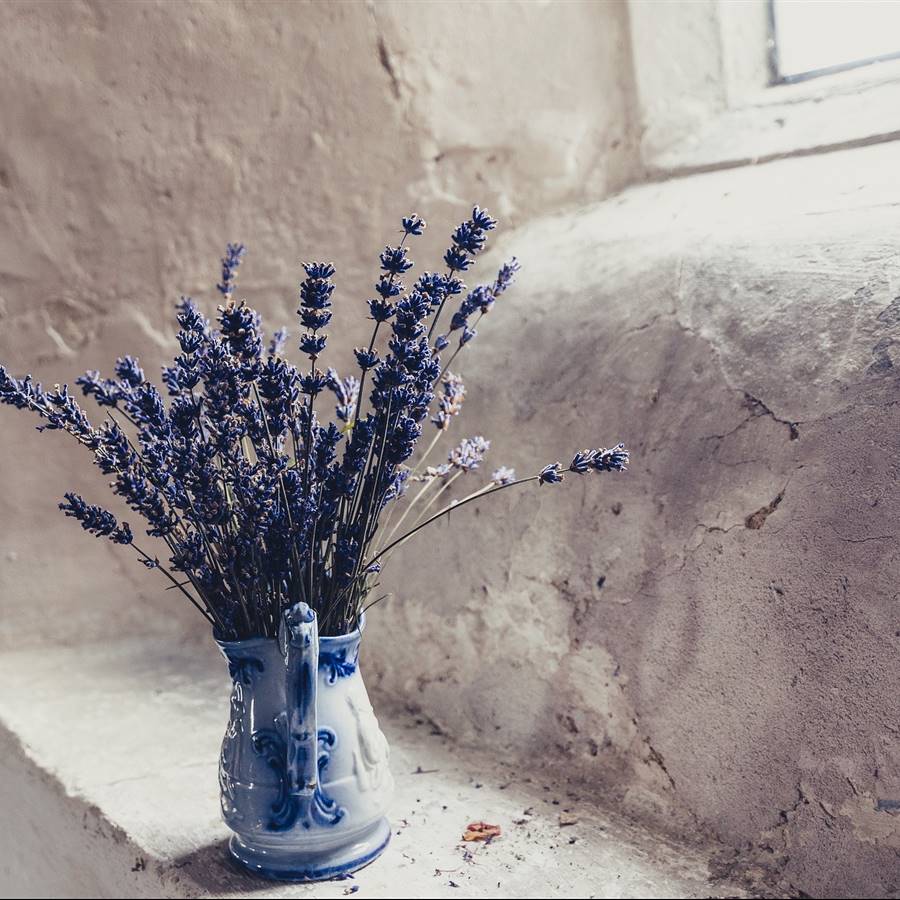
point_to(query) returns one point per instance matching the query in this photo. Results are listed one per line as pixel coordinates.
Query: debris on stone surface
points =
(481, 831)
(567, 818)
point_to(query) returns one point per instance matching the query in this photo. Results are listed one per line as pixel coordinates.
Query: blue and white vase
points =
(304, 774)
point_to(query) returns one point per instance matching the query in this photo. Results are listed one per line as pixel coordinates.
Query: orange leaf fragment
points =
(481, 831)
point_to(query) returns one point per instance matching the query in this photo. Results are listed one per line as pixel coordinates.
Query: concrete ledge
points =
(108, 788)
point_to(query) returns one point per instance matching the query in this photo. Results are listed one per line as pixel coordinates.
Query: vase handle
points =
(299, 639)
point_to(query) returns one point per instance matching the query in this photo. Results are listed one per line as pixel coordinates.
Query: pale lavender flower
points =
(469, 454)
(429, 473)
(346, 390)
(450, 400)
(277, 342)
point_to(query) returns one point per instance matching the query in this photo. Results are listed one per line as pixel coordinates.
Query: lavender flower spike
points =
(615, 459)
(263, 500)
(346, 390)
(551, 474)
(277, 342)
(96, 520)
(315, 298)
(453, 392)
(234, 253)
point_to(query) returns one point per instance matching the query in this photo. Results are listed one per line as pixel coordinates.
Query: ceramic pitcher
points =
(304, 771)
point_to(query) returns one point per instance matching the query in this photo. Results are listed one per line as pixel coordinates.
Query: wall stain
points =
(756, 520)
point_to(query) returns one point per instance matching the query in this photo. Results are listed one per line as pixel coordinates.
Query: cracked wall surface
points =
(710, 637)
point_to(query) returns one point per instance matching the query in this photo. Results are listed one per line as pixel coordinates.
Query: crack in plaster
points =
(154, 775)
(656, 758)
(757, 410)
(755, 402)
(862, 540)
(385, 57)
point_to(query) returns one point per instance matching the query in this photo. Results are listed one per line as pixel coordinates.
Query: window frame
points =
(776, 78)
(731, 113)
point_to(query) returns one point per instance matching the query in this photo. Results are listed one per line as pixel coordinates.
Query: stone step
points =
(108, 788)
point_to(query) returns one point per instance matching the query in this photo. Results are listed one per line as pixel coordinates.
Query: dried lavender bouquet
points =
(260, 502)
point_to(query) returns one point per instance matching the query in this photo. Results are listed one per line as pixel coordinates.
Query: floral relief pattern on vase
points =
(338, 665)
(231, 748)
(289, 808)
(370, 756)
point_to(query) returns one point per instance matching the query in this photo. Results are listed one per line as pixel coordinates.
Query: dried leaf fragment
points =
(481, 831)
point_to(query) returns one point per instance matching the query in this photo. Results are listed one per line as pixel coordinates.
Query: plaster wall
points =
(679, 69)
(139, 137)
(710, 635)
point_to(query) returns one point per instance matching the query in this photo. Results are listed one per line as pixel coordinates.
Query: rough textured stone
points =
(710, 636)
(127, 805)
(712, 632)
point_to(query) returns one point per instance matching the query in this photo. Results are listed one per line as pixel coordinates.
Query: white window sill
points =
(848, 109)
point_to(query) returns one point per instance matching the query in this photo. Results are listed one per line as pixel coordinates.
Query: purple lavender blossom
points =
(367, 359)
(615, 459)
(388, 287)
(413, 224)
(234, 253)
(381, 310)
(258, 500)
(551, 474)
(277, 342)
(394, 260)
(96, 520)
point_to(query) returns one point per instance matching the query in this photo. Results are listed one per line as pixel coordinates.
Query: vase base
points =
(290, 863)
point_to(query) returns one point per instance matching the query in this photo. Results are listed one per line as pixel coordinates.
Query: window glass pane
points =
(811, 35)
